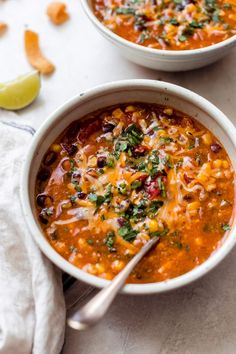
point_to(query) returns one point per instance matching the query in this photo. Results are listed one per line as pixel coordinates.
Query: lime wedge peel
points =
(20, 92)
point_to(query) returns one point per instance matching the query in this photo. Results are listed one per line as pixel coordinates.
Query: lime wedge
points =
(20, 92)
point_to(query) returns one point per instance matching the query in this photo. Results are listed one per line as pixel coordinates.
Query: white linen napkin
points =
(32, 310)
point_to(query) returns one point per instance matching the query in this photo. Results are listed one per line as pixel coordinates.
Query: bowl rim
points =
(37, 234)
(152, 51)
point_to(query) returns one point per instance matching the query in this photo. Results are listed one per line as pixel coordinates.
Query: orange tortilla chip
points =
(3, 27)
(34, 54)
(57, 13)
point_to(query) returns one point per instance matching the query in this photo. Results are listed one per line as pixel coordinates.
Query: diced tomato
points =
(152, 189)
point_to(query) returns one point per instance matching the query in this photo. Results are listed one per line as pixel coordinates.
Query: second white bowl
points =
(164, 60)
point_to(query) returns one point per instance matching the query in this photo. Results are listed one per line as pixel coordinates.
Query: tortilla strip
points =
(34, 54)
(57, 13)
(3, 27)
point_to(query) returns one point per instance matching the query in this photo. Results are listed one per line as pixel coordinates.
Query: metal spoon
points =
(96, 308)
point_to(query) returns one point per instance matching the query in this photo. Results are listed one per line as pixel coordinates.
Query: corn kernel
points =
(71, 187)
(168, 111)
(228, 174)
(92, 162)
(117, 113)
(117, 265)
(66, 205)
(217, 163)
(210, 187)
(198, 241)
(193, 205)
(161, 132)
(130, 109)
(207, 139)
(56, 147)
(100, 268)
(225, 164)
(202, 177)
(153, 225)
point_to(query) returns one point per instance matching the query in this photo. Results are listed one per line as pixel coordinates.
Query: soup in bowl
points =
(125, 162)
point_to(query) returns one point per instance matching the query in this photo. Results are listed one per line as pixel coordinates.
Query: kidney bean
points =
(81, 195)
(43, 174)
(108, 127)
(49, 158)
(70, 149)
(139, 150)
(43, 218)
(43, 200)
(215, 148)
(101, 161)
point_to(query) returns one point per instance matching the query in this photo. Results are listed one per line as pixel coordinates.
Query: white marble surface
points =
(200, 318)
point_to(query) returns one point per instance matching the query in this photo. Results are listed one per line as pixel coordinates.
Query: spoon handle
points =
(95, 309)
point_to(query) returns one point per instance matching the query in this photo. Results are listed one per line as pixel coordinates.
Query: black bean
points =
(101, 161)
(50, 157)
(81, 195)
(108, 127)
(43, 219)
(41, 199)
(70, 149)
(139, 27)
(43, 174)
(215, 147)
(179, 7)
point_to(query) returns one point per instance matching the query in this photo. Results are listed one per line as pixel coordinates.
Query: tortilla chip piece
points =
(3, 27)
(34, 54)
(57, 13)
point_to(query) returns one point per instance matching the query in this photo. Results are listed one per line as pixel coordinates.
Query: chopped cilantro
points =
(122, 188)
(125, 11)
(76, 185)
(196, 24)
(165, 140)
(216, 16)
(191, 145)
(136, 184)
(159, 233)
(90, 241)
(226, 227)
(155, 206)
(162, 187)
(182, 38)
(127, 233)
(173, 21)
(110, 240)
(98, 199)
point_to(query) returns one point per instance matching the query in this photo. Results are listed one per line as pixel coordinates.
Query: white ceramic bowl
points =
(164, 60)
(100, 97)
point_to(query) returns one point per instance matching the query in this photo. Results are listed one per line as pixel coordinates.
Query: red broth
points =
(129, 173)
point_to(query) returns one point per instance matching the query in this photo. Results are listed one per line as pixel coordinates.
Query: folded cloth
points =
(32, 310)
